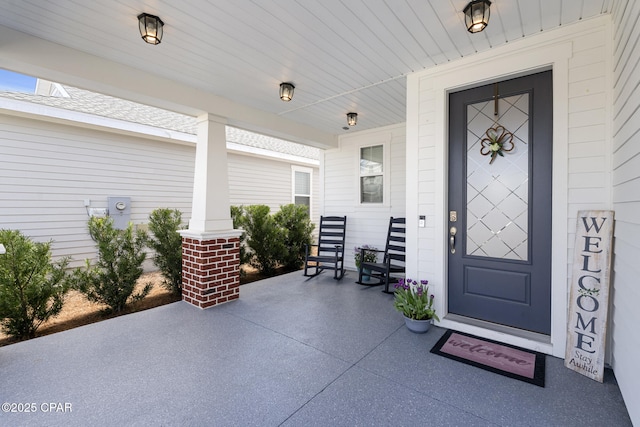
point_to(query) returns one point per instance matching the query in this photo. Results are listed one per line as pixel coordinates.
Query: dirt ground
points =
(78, 311)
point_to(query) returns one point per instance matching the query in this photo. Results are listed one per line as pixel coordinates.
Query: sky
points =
(15, 82)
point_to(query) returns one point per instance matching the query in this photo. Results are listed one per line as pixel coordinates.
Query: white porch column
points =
(210, 247)
(210, 205)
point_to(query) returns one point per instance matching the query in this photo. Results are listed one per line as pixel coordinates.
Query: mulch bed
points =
(79, 311)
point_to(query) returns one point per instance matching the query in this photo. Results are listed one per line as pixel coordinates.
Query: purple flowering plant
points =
(412, 299)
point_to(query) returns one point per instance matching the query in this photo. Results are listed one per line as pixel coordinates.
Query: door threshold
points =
(507, 334)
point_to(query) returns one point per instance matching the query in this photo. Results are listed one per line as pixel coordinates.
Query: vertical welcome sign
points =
(589, 294)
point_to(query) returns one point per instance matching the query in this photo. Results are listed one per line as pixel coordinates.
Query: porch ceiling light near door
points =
(286, 91)
(150, 28)
(476, 15)
(352, 119)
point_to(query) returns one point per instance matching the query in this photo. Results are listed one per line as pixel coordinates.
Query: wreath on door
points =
(498, 141)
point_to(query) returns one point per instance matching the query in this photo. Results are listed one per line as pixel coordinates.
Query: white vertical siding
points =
(626, 202)
(366, 224)
(47, 170)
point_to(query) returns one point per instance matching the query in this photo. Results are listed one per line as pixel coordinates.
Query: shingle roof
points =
(84, 101)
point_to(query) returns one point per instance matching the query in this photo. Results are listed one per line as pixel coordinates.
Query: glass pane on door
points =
(498, 179)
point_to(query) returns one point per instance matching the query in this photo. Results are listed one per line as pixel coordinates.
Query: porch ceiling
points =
(342, 55)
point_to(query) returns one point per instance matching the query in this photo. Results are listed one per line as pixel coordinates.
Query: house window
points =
(302, 186)
(372, 174)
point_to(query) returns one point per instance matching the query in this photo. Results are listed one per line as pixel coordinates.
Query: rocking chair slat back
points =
(393, 261)
(330, 247)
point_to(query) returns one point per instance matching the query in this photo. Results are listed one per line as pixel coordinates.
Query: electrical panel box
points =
(120, 211)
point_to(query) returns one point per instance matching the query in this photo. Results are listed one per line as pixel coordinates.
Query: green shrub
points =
(238, 217)
(167, 243)
(295, 228)
(264, 239)
(120, 256)
(32, 288)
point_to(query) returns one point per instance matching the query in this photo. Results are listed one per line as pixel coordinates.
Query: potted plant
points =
(365, 253)
(412, 299)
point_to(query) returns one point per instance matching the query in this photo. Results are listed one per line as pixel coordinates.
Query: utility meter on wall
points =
(120, 211)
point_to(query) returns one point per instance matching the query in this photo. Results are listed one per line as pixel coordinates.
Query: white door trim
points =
(427, 135)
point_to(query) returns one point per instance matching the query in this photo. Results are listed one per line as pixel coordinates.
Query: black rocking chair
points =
(393, 262)
(330, 253)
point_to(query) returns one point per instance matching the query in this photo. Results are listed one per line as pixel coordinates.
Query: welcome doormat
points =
(504, 359)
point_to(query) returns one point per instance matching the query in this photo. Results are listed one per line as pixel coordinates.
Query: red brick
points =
(210, 271)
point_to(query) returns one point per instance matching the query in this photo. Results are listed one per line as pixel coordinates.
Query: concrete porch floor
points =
(292, 352)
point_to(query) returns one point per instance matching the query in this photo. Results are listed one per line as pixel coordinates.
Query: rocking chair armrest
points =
(306, 248)
(363, 250)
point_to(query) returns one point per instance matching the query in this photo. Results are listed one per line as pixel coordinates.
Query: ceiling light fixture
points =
(286, 91)
(150, 28)
(352, 119)
(476, 15)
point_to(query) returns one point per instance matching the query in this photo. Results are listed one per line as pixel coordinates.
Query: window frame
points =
(385, 174)
(302, 169)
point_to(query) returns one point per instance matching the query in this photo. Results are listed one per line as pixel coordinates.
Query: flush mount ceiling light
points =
(150, 28)
(286, 91)
(476, 15)
(352, 119)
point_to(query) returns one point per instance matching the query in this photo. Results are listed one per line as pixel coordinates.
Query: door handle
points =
(452, 239)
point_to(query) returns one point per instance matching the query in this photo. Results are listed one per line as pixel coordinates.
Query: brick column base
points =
(210, 270)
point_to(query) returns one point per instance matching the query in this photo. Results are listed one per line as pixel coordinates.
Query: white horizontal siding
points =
(254, 180)
(626, 202)
(47, 170)
(258, 180)
(580, 56)
(366, 224)
(589, 151)
(426, 188)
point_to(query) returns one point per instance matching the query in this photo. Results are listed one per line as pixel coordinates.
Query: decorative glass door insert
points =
(497, 187)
